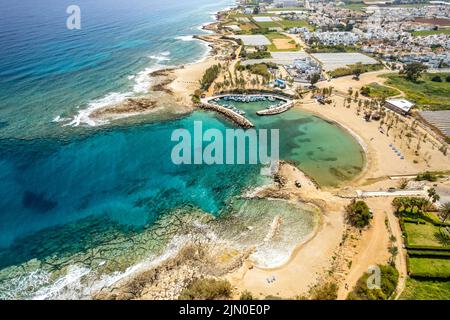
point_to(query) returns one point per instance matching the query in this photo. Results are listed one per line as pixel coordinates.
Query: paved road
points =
(398, 193)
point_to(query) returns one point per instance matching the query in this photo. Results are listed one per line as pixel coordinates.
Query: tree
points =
(432, 195)
(358, 214)
(357, 70)
(315, 77)
(299, 93)
(413, 70)
(445, 212)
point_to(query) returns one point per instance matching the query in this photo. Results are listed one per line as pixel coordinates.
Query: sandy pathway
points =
(372, 248)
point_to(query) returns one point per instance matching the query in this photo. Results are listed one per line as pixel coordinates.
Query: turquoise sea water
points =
(68, 189)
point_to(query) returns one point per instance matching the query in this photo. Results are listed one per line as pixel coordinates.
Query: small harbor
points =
(225, 104)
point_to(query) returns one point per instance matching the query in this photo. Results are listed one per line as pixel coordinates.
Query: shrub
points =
(447, 79)
(358, 214)
(365, 91)
(388, 283)
(206, 289)
(246, 295)
(326, 291)
(426, 176)
(210, 75)
(436, 79)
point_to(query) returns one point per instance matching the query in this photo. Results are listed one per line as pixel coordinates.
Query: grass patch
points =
(286, 9)
(355, 6)
(429, 267)
(375, 90)
(430, 32)
(287, 24)
(346, 71)
(319, 48)
(268, 24)
(422, 235)
(418, 289)
(426, 94)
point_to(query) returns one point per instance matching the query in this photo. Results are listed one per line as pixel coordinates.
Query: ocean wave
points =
(142, 82)
(82, 283)
(163, 56)
(83, 116)
(71, 280)
(186, 38)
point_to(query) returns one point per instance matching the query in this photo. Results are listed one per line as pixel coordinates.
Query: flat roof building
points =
(401, 106)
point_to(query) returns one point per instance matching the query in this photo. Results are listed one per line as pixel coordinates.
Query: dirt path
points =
(372, 248)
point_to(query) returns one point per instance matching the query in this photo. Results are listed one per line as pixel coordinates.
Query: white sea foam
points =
(186, 38)
(71, 280)
(164, 56)
(82, 283)
(142, 82)
(83, 116)
(58, 119)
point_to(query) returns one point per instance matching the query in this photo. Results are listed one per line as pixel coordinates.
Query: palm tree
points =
(433, 196)
(445, 211)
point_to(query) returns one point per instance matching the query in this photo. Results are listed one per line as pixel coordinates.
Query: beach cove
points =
(108, 192)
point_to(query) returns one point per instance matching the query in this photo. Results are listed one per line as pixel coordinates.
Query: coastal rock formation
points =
(131, 105)
(195, 260)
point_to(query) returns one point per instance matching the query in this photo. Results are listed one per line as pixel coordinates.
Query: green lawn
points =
(287, 24)
(286, 9)
(284, 24)
(346, 71)
(430, 32)
(425, 93)
(426, 290)
(422, 234)
(355, 6)
(275, 35)
(429, 267)
(376, 90)
(268, 24)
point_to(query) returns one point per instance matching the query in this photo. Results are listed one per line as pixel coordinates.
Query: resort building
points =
(301, 70)
(401, 106)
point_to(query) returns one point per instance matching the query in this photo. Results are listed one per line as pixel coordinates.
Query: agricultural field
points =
(286, 9)
(425, 93)
(287, 24)
(420, 289)
(276, 22)
(355, 6)
(430, 32)
(281, 42)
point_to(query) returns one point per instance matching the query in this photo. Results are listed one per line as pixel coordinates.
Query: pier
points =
(276, 109)
(231, 114)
